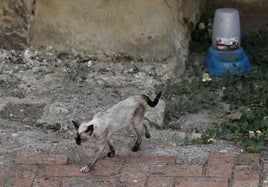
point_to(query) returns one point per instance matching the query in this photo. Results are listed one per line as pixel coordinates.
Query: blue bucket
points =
(233, 61)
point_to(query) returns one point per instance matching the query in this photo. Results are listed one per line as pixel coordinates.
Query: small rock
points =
(14, 135)
(234, 116)
(89, 63)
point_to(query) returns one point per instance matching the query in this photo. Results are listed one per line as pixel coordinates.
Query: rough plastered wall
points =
(152, 30)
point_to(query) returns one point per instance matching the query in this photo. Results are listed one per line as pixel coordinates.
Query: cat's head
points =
(83, 131)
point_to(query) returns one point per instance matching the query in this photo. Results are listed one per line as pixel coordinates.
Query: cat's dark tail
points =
(155, 101)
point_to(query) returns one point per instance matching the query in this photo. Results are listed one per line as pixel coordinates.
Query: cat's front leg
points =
(87, 168)
(90, 167)
(111, 153)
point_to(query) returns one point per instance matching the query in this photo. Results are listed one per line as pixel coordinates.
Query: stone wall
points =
(253, 13)
(15, 18)
(243, 2)
(152, 30)
(261, 2)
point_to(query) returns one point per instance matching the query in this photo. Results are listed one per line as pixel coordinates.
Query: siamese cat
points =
(127, 112)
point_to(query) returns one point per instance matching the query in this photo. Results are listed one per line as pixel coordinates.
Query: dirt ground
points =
(42, 91)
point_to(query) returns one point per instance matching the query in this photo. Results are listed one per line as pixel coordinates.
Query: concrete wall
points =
(152, 30)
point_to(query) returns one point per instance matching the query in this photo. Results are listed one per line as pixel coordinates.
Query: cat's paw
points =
(147, 135)
(135, 148)
(86, 169)
(111, 154)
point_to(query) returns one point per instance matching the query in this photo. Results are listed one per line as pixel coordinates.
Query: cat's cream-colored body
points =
(127, 112)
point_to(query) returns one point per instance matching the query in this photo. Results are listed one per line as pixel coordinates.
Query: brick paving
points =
(54, 171)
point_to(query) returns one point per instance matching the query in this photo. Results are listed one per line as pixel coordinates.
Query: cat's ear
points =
(90, 129)
(75, 124)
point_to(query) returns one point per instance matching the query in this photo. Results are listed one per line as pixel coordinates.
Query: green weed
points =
(246, 94)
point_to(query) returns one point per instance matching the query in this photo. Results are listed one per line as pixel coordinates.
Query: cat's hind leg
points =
(137, 123)
(147, 133)
(137, 144)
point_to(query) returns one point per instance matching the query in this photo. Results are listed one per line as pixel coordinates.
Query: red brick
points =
(201, 182)
(47, 182)
(252, 159)
(61, 171)
(108, 166)
(177, 170)
(23, 176)
(246, 176)
(158, 181)
(41, 159)
(219, 166)
(133, 177)
(139, 166)
(167, 160)
(84, 181)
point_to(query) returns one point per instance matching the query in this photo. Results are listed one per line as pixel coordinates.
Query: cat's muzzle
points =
(78, 140)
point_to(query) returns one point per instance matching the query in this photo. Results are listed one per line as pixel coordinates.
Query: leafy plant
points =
(246, 94)
(201, 33)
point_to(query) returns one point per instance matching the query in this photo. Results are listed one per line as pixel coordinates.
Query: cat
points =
(123, 114)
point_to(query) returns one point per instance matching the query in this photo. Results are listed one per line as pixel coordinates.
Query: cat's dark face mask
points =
(82, 136)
